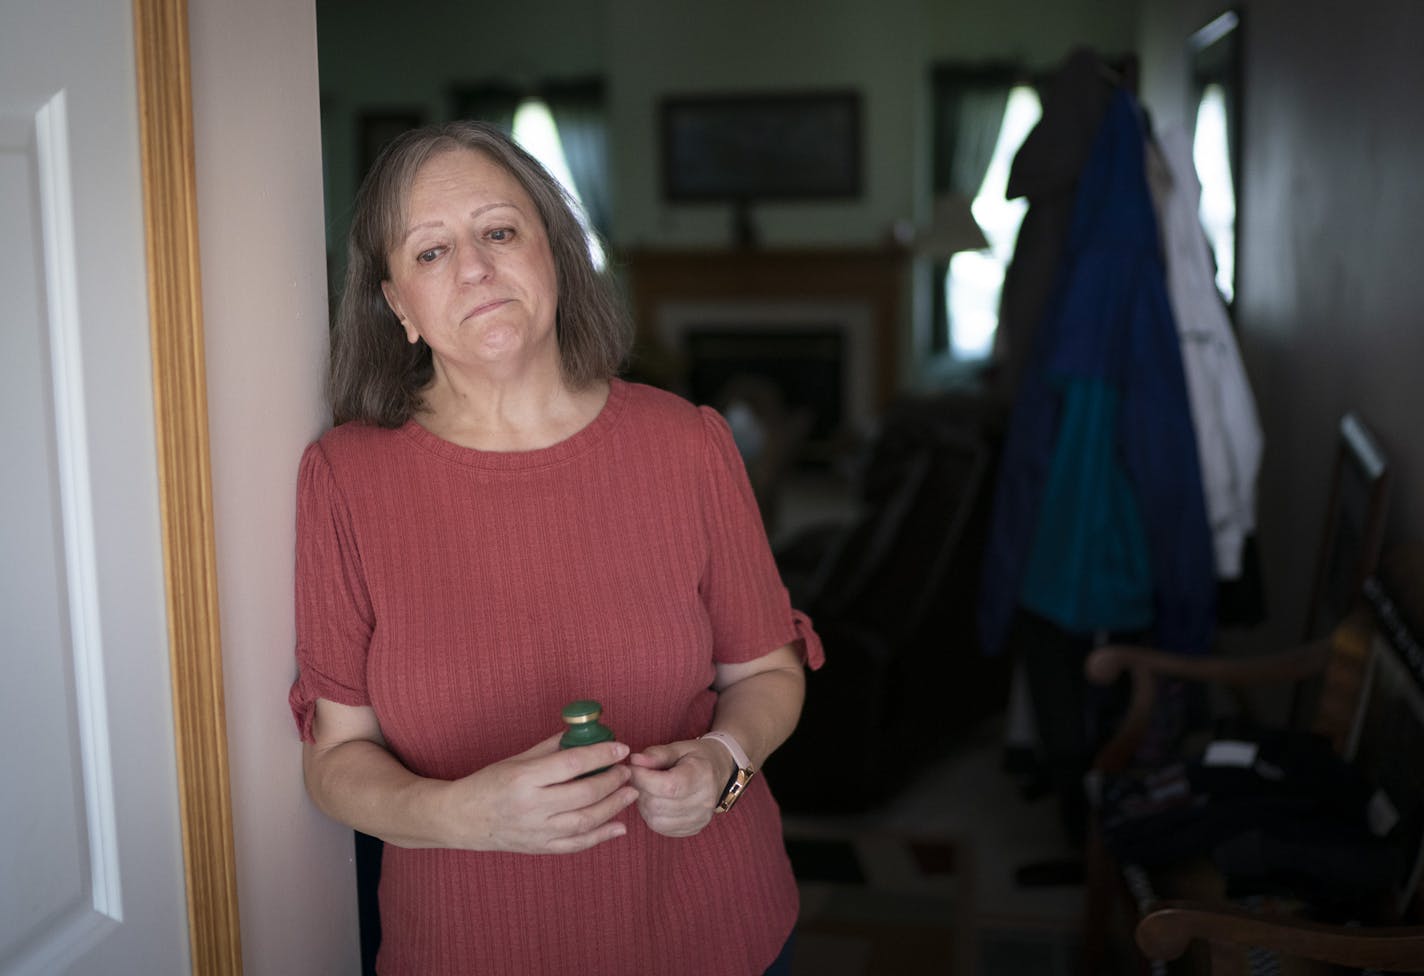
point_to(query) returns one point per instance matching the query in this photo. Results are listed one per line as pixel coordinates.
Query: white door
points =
(91, 877)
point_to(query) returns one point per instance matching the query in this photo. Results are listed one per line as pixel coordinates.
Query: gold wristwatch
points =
(741, 776)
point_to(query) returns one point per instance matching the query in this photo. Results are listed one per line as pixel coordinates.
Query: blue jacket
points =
(1099, 521)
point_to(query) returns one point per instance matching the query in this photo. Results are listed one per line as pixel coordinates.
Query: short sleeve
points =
(333, 607)
(749, 608)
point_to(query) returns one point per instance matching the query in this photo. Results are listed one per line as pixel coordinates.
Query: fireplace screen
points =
(805, 366)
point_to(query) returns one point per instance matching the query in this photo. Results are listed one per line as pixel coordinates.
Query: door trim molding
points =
(185, 482)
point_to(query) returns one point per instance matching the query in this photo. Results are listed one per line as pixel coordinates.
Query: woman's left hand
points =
(679, 784)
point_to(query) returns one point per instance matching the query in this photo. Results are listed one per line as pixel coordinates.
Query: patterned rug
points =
(877, 903)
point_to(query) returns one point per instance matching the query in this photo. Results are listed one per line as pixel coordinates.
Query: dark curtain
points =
(492, 102)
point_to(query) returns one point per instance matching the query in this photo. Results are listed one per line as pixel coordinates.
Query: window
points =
(1216, 138)
(534, 129)
(562, 124)
(981, 117)
(1211, 154)
(974, 279)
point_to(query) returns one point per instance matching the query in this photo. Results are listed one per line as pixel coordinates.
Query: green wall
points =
(374, 58)
(378, 56)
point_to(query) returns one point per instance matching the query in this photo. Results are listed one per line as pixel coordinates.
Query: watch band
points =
(740, 777)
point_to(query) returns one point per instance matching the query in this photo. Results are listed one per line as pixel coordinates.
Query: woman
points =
(498, 526)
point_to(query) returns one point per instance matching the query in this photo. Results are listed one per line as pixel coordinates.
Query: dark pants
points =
(1072, 717)
(781, 965)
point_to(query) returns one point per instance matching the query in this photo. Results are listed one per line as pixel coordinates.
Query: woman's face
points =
(473, 276)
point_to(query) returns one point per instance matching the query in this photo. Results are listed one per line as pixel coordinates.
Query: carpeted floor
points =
(980, 829)
(876, 903)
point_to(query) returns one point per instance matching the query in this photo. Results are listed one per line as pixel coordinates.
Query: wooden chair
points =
(1230, 933)
(1350, 540)
(1372, 671)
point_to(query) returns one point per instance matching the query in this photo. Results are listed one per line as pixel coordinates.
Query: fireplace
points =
(804, 366)
(817, 356)
(819, 325)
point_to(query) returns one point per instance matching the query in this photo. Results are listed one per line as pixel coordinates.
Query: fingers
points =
(589, 826)
(655, 757)
(678, 770)
(582, 842)
(676, 783)
(676, 801)
(512, 809)
(576, 792)
(584, 790)
(546, 748)
(562, 765)
(674, 817)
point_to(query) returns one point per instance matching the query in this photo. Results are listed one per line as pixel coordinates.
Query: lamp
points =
(952, 228)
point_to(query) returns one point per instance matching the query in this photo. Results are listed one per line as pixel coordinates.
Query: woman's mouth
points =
(484, 307)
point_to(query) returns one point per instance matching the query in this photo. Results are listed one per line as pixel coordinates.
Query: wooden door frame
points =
(185, 482)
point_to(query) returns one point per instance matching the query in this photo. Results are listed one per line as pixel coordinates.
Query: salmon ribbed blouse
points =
(467, 596)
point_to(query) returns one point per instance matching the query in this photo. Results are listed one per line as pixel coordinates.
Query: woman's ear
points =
(389, 290)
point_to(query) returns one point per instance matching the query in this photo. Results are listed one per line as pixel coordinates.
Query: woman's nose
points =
(474, 262)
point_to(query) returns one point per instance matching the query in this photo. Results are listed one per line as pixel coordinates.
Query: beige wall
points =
(264, 307)
(1331, 299)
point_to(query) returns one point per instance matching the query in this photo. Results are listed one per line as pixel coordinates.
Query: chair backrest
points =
(1386, 741)
(920, 484)
(1354, 526)
(1371, 704)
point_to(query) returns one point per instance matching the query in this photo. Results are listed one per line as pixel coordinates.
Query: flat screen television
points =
(749, 147)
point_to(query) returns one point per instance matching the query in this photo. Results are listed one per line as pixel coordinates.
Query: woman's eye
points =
(502, 234)
(425, 257)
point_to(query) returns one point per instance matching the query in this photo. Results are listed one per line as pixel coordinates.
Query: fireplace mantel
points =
(874, 277)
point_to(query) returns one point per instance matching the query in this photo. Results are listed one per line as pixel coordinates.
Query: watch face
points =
(736, 786)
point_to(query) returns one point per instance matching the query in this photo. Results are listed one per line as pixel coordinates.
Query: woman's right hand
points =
(532, 803)
(536, 802)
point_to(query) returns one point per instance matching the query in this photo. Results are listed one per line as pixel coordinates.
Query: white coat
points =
(1228, 431)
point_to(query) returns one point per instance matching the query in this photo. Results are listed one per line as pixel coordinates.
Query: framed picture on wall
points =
(747, 147)
(377, 128)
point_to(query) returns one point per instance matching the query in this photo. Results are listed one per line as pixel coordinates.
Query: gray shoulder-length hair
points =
(377, 376)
